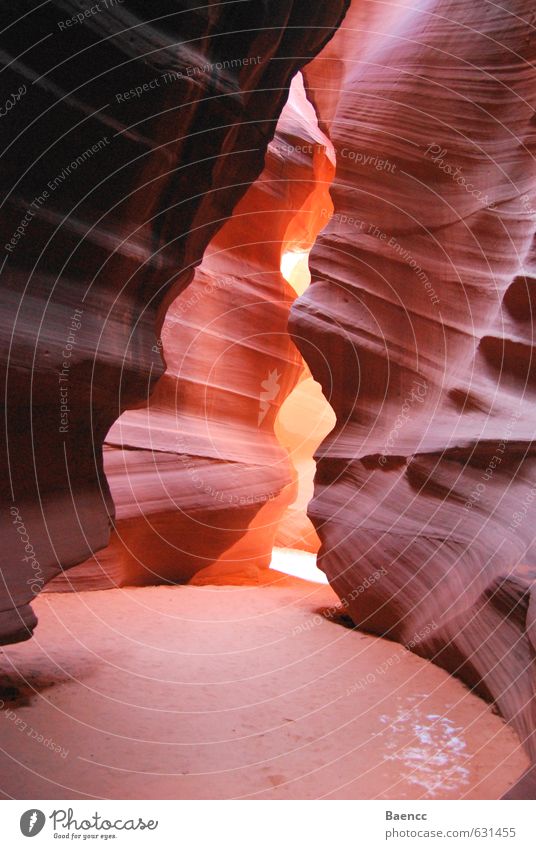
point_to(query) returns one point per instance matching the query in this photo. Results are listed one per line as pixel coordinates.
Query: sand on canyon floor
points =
(217, 692)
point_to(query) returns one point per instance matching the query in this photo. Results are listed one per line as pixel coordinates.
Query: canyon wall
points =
(136, 151)
(129, 141)
(418, 324)
(199, 480)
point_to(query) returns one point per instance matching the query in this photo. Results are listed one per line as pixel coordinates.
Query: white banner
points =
(269, 824)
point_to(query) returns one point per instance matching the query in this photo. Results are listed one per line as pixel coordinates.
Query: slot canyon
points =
(267, 496)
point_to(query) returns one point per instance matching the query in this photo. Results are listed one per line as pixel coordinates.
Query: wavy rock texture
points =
(131, 142)
(199, 480)
(419, 327)
(418, 323)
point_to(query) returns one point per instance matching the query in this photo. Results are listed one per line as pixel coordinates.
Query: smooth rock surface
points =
(136, 134)
(418, 324)
(199, 479)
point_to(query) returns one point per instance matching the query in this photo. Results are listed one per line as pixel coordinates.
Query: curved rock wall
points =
(199, 480)
(134, 145)
(418, 324)
(130, 143)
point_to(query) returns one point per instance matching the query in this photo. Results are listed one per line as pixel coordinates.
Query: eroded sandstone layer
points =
(132, 136)
(129, 149)
(199, 480)
(419, 326)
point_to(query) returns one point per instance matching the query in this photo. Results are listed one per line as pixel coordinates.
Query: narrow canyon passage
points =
(269, 437)
(218, 468)
(226, 687)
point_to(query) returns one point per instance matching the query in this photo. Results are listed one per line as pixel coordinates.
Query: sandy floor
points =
(232, 692)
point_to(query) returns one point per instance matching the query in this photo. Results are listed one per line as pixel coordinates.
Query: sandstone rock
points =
(133, 143)
(199, 480)
(418, 324)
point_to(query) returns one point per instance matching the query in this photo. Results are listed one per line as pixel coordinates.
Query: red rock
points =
(120, 239)
(199, 480)
(418, 323)
(418, 326)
